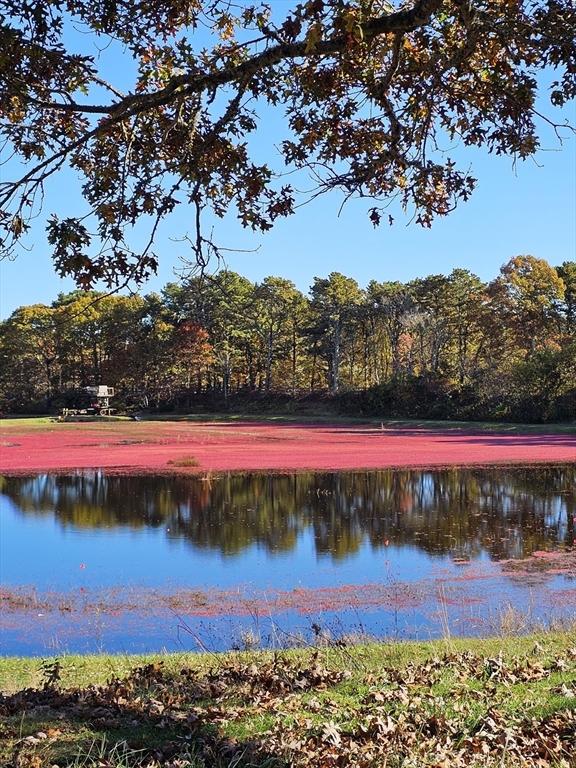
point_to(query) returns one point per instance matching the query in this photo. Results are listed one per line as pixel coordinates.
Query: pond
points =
(95, 562)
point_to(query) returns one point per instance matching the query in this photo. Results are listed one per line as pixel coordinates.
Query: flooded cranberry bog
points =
(181, 446)
(120, 561)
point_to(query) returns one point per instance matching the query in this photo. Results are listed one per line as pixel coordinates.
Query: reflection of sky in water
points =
(478, 610)
(41, 552)
(311, 530)
(435, 534)
(557, 517)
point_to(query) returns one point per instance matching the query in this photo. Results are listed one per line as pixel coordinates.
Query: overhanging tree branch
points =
(132, 104)
(366, 101)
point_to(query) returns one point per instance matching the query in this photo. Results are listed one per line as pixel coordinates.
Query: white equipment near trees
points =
(94, 401)
(102, 394)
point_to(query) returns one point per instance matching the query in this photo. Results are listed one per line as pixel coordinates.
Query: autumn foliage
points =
(371, 95)
(452, 708)
(437, 347)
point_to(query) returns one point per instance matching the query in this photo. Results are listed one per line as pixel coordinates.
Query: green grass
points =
(264, 709)
(17, 673)
(11, 423)
(18, 422)
(21, 672)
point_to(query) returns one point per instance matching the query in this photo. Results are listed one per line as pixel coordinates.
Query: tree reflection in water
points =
(507, 512)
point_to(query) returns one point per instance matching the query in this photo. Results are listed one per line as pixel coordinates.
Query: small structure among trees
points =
(91, 401)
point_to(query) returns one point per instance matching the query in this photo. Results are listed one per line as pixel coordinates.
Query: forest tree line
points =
(441, 346)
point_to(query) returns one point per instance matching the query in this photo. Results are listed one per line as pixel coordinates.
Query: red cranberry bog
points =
(470, 594)
(153, 446)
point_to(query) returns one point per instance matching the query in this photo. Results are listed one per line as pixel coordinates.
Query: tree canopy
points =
(371, 94)
(443, 346)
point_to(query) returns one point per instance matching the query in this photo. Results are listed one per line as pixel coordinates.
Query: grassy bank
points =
(505, 702)
(15, 423)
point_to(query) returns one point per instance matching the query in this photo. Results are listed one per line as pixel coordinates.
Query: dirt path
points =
(205, 446)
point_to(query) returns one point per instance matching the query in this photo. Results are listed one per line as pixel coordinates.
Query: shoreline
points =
(504, 701)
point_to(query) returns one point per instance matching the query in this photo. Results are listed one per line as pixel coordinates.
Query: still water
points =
(118, 563)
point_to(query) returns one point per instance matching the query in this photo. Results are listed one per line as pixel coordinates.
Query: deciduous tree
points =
(532, 293)
(567, 271)
(370, 92)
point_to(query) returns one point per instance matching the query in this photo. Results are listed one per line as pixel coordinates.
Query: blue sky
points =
(527, 208)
